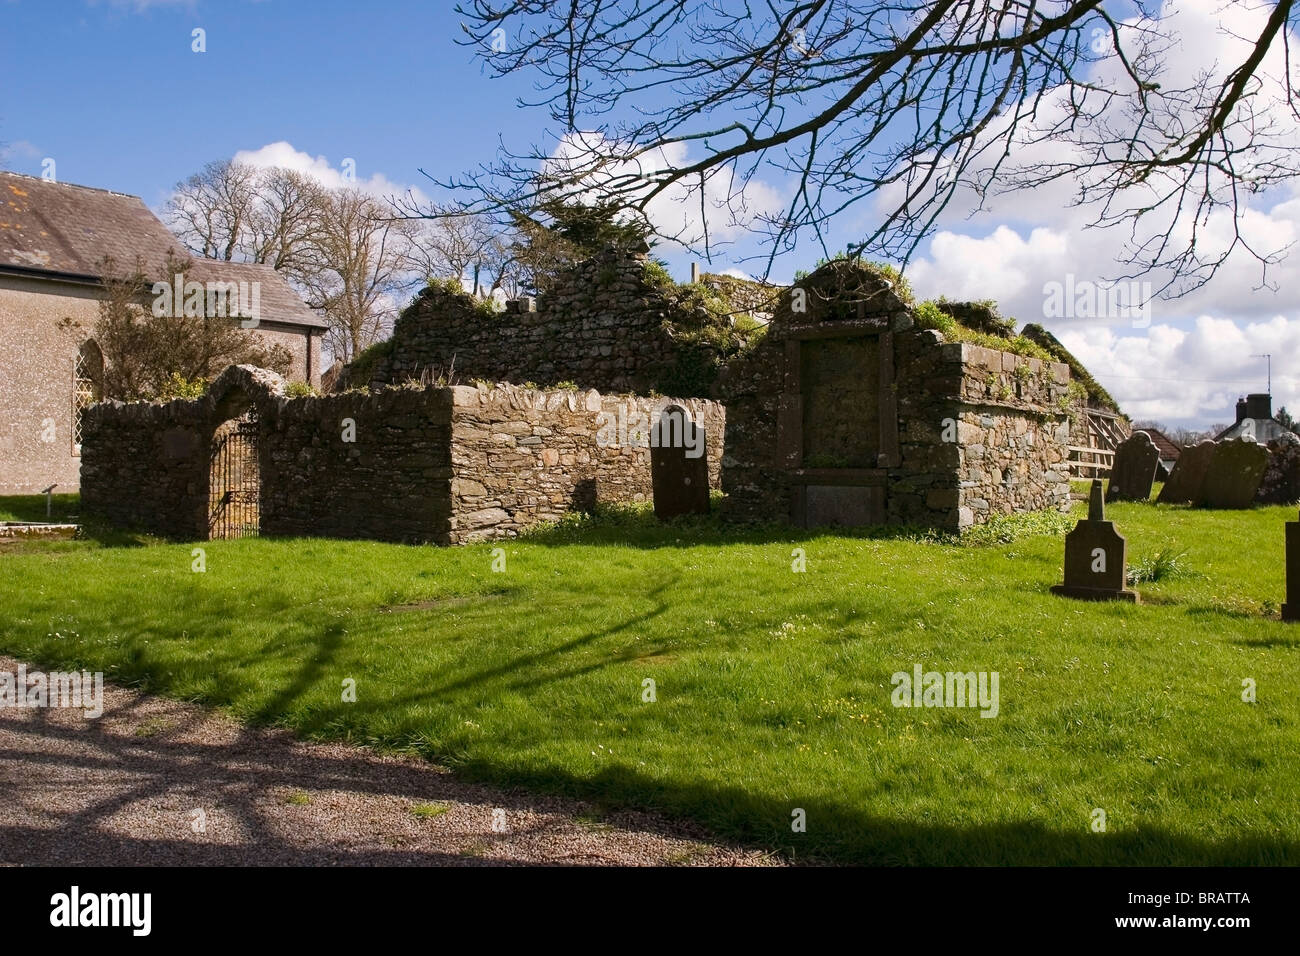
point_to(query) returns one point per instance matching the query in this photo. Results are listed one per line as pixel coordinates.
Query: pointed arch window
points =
(87, 386)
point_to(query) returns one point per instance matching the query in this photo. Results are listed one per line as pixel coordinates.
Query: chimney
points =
(1259, 406)
(1241, 410)
(695, 272)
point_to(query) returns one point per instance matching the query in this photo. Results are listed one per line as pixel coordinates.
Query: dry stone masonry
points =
(606, 324)
(441, 465)
(842, 411)
(846, 413)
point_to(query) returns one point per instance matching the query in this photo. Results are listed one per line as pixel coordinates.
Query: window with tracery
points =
(87, 386)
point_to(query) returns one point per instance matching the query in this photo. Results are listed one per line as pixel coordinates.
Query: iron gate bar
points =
(234, 483)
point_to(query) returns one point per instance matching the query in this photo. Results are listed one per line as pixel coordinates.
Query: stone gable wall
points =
(601, 327)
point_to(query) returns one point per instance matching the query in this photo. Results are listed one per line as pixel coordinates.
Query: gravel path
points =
(154, 781)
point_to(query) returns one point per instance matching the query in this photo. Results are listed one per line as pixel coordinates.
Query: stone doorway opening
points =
(234, 483)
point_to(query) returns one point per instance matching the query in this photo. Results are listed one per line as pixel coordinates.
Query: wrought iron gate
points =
(234, 485)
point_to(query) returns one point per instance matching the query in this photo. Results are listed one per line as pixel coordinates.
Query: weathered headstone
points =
(1188, 477)
(1281, 482)
(1096, 557)
(1234, 475)
(679, 465)
(1291, 609)
(1136, 460)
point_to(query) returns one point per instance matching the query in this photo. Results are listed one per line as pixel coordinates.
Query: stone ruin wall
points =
(391, 482)
(521, 456)
(601, 327)
(145, 466)
(1013, 433)
(979, 431)
(437, 465)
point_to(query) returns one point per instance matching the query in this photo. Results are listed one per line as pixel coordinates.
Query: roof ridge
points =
(56, 182)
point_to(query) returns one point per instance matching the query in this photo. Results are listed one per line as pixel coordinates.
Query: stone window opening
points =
(87, 386)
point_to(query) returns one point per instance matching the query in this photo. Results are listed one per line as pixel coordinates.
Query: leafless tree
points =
(341, 249)
(901, 108)
(362, 258)
(472, 248)
(212, 210)
(238, 212)
(285, 223)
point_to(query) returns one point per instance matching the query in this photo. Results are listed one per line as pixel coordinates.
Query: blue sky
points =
(111, 91)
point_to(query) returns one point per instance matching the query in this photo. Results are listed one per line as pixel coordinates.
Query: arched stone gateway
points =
(234, 469)
(234, 483)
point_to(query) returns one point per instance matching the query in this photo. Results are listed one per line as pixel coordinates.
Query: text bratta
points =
(951, 689)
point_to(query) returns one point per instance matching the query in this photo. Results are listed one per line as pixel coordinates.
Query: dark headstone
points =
(1291, 609)
(1188, 477)
(1234, 475)
(1096, 557)
(679, 466)
(1134, 469)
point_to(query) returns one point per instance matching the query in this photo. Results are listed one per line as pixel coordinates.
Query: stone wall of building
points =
(412, 464)
(145, 466)
(606, 324)
(38, 409)
(1013, 433)
(359, 466)
(522, 456)
(957, 432)
(38, 445)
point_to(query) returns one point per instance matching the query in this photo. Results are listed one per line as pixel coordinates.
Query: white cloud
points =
(1051, 237)
(1191, 376)
(320, 169)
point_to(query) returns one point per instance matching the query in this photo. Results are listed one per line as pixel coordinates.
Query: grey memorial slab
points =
(1188, 477)
(1096, 557)
(1134, 471)
(1234, 475)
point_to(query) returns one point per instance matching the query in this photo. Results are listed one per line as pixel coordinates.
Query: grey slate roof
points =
(63, 230)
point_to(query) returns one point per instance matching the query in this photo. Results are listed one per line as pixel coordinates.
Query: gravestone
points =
(1281, 482)
(1291, 609)
(1234, 475)
(1136, 460)
(1096, 557)
(679, 465)
(1188, 477)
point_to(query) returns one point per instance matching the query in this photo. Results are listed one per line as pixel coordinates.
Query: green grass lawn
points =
(32, 507)
(773, 687)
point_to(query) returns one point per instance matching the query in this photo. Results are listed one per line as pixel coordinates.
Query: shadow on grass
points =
(851, 835)
(242, 775)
